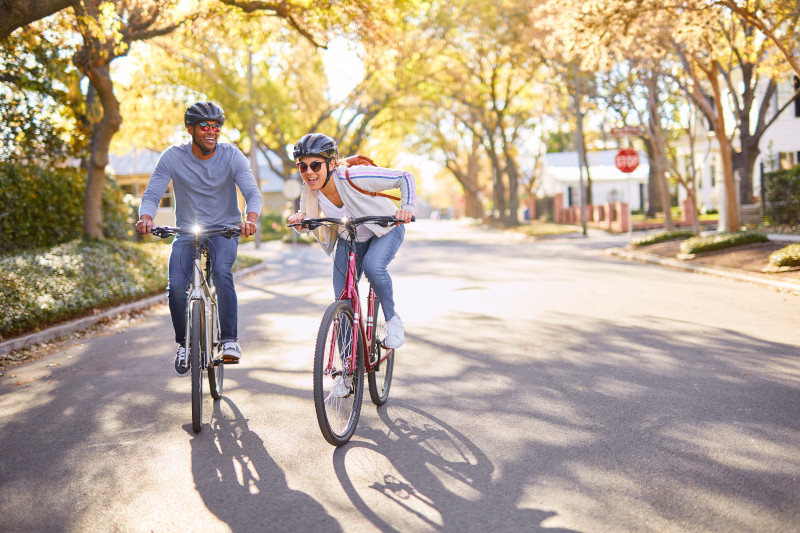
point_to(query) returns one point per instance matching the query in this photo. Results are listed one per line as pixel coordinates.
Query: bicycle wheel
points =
(337, 390)
(380, 379)
(194, 361)
(216, 373)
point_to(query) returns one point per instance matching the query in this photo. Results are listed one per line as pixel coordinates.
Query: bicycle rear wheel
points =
(216, 373)
(195, 355)
(338, 390)
(380, 379)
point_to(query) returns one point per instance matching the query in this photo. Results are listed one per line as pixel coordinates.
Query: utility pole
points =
(579, 146)
(252, 135)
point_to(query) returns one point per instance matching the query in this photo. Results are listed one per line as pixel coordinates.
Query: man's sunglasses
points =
(205, 126)
(315, 166)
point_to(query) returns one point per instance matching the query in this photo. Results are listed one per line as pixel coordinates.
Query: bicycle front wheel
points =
(195, 356)
(338, 388)
(380, 379)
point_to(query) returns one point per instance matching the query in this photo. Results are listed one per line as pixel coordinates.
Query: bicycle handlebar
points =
(225, 231)
(383, 221)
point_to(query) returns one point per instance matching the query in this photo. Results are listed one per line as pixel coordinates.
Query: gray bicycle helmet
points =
(317, 144)
(200, 111)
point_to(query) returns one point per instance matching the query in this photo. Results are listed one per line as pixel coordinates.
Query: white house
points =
(561, 174)
(133, 169)
(779, 146)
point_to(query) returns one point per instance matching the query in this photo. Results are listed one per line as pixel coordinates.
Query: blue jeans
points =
(221, 253)
(373, 258)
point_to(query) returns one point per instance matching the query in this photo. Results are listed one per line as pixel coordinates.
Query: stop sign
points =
(627, 160)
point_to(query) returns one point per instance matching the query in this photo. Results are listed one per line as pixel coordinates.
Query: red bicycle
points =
(342, 342)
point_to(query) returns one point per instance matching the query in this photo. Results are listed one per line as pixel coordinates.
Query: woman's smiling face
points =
(313, 170)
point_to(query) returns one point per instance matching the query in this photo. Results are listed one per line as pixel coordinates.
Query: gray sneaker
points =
(395, 337)
(231, 352)
(181, 362)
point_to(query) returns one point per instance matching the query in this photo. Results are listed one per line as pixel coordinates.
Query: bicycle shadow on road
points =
(423, 474)
(242, 485)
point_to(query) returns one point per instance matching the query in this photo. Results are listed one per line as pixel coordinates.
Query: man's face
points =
(205, 134)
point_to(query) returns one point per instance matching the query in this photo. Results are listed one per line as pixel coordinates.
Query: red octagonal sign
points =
(627, 160)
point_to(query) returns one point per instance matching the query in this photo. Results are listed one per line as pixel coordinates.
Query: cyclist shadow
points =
(242, 485)
(424, 475)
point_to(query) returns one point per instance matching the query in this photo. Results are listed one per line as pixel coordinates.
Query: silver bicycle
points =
(202, 318)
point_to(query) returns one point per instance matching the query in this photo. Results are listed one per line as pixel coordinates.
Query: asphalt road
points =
(544, 386)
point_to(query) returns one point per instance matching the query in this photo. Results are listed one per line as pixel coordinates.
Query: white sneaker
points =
(181, 362)
(394, 337)
(231, 352)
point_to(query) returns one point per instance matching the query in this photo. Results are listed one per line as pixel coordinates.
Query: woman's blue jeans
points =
(221, 253)
(373, 258)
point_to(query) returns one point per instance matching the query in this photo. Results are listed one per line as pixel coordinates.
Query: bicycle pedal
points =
(230, 361)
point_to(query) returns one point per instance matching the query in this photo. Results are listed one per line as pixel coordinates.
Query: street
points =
(543, 386)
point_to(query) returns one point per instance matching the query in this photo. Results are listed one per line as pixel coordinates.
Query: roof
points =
(142, 163)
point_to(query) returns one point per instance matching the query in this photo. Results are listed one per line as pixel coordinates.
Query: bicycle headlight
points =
(196, 229)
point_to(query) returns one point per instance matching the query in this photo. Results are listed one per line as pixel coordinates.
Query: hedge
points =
(719, 241)
(42, 208)
(662, 236)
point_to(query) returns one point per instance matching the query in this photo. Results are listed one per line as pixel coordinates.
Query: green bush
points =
(720, 241)
(788, 256)
(40, 287)
(44, 286)
(783, 196)
(42, 208)
(662, 236)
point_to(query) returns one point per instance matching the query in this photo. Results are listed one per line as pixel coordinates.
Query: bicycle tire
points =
(380, 379)
(196, 334)
(337, 393)
(216, 378)
(216, 373)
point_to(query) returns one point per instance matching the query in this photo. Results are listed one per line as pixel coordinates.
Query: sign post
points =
(627, 160)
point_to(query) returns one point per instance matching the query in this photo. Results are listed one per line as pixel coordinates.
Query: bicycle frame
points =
(202, 289)
(365, 337)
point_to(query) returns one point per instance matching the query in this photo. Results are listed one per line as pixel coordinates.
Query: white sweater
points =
(369, 178)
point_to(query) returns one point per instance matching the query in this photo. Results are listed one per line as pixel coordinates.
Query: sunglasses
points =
(315, 166)
(205, 126)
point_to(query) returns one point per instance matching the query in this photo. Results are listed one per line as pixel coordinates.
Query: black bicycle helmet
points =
(200, 111)
(317, 144)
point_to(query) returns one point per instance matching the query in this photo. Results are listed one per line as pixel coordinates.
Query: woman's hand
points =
(404, 215)
(297, 217)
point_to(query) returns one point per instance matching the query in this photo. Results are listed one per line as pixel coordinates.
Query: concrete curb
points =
(80, 324)
(793, 286)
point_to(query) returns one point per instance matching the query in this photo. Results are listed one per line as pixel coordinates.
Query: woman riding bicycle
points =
(332, 189)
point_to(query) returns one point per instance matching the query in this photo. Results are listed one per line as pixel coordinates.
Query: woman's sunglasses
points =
(315, 166)
(205, 126)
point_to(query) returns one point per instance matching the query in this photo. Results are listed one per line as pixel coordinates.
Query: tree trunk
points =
(102, 133)
(512, 218)
(18, 13)
(658, 146)
(653, 186)
(726, 154)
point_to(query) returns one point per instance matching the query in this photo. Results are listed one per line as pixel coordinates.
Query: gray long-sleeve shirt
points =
(205, 189)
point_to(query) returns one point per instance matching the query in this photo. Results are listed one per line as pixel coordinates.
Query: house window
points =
(796, 85)
(785, 160)
(570, 201)
(713, 175)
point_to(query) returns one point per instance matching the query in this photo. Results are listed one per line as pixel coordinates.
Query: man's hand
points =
(145, 225)
(404, 215)
(249, 226)
(358, 159)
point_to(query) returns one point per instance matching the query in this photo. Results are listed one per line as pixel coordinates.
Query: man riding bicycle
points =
(204, 175)
(332, 189)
